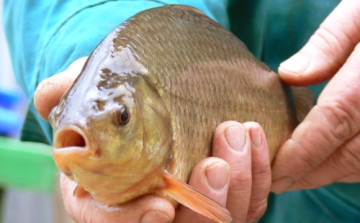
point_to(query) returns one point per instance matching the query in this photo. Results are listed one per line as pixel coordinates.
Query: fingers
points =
(86, 209)
(50, 91)
(261, 172)
(353, 178)
(250, 175)
(345, 161)
(248, 186)
(211, 177)
(333, 121)
(327, 50)
(232, 143)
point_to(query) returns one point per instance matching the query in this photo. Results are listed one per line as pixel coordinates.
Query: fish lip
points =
(57, 144)
(66, 156)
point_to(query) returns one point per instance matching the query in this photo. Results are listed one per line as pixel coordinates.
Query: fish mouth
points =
(70, 138)
(71, 144)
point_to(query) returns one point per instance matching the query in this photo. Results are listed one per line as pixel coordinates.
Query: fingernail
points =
(217, 176)
(155, 216)
(255, 136)
(235, 137)
(296, 64)
(282, 184)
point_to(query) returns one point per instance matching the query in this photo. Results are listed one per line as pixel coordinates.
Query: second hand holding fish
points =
(326, 144)
(250, 166)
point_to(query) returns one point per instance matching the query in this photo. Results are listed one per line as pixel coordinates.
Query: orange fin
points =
(79, 191)
(195, 200)
(304, 101)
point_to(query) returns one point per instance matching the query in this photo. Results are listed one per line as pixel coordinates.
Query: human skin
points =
(325, 147)
(238, 175)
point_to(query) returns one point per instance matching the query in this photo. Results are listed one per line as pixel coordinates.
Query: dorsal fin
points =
(195, 200)
(304, 101)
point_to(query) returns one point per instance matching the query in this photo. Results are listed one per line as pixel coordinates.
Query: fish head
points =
(112, 131)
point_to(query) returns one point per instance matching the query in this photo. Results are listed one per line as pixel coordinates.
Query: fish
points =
(144, 108)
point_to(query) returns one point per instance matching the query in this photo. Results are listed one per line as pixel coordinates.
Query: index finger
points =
(333, 121)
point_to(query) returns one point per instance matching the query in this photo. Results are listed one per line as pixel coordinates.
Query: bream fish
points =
(143, 111)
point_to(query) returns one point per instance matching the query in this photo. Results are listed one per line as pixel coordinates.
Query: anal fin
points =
(195, 200)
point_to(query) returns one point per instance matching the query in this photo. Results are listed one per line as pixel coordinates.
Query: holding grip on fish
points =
(326, 145)
(209, 176)
(245, 201)
(140, 108)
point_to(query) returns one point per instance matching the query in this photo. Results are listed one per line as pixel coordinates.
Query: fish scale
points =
(173, 75)
(192, 91)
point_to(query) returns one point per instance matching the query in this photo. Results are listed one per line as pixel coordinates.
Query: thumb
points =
(50, 91)
(327, 50)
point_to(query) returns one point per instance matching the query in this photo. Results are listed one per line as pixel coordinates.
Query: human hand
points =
(230, 177)
(325, 147)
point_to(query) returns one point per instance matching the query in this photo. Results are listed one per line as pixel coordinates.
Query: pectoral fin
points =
(195, 200)
(304, 101)
(79, 191)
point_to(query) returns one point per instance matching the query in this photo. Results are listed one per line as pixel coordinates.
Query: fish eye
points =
(121, 115)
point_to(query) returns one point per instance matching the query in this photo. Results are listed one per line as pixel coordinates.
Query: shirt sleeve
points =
(45, 37)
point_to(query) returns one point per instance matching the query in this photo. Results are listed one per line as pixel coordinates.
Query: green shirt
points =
(45, 37)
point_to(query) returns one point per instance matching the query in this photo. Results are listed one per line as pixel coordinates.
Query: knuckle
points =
(327, 40)
(263, 172)
(350, 157)
(239, 180)
(340, 120)
(306, 155)
(262, 178)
